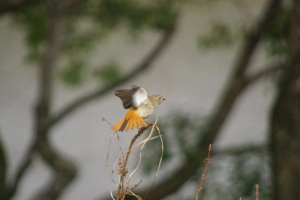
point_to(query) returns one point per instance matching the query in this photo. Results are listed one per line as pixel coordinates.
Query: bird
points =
(140, 107)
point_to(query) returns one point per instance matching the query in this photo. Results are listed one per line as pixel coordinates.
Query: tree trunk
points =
(285, 122)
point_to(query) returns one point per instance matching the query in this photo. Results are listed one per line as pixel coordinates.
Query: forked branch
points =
(123, 184)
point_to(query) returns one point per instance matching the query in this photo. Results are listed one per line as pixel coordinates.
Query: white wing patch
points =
(139, 97)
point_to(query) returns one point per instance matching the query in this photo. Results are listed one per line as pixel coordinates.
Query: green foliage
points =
(230, 175)
(220, 36)
(34, 20)
(73, 74)
(138, 16)
(109, 73)
(180, 133)
(152, 151)
(243, 172)
(249, 170)
(185, 128)
(276, 37)
(86, 27)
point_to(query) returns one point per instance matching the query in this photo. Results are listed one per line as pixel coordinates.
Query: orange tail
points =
(131, 119)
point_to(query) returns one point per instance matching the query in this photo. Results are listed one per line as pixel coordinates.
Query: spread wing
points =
(132, 97)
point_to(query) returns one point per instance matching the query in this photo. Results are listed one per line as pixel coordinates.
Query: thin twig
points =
(160, 160)
(274, 67)
(131, 148)
(206, 163)
(123, 189)
(256, 196)
(136, 185)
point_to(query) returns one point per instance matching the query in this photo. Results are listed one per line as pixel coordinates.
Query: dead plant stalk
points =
(123, 185)
(206, 163)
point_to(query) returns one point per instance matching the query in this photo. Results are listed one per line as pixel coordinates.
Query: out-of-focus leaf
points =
(152, 151)
(183, 128)
(276, 37)
(109, 73)
(73, 74)
(220, 36)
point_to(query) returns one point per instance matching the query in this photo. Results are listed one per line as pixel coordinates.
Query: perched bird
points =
(140, 107)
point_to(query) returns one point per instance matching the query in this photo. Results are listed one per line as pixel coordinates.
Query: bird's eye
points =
(159, 97)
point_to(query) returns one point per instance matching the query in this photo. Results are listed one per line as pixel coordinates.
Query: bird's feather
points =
(139, 97)
(132, 119)
(132, 97)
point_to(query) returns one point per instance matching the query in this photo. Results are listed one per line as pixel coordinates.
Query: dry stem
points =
(256, 187)
(123, 190)
(207, 161)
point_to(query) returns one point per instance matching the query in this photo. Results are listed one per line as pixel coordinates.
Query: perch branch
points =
(122, 190)
(202, 178)
(11, 6)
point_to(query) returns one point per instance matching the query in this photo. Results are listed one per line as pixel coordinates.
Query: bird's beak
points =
(164, 99)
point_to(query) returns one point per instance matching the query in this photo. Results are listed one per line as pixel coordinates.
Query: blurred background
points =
(229, 70)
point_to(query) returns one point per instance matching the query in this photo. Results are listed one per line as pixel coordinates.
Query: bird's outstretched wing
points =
(132, 97)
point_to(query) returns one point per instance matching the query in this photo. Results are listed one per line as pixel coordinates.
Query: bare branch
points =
(7, 6)
(22, 169)
(265, 71)
(202, 178)
(276, 66)
(254, 37)
(72, 5)
(65, 172)
(3, 166)
(144, 65)
(279, 65)
(256, 192)
(123, 189)
(239, 150)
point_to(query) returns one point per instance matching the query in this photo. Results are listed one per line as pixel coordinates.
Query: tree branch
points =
(254, 37)
(65, 172)
(239, 150)
(72, 5)
(3, 167)
(265, 71)
(7, 6)
(284, 135)
(279, 65)
(11, 188)
(144, 65)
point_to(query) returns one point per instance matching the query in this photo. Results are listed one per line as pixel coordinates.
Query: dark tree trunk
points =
(285, 122)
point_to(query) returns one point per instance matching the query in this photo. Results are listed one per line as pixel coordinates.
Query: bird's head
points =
(157, 98)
